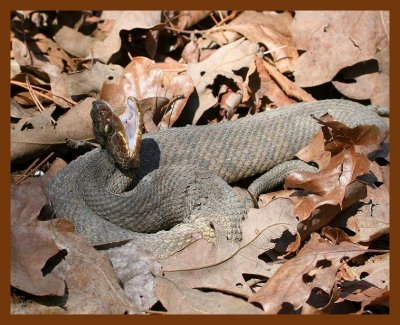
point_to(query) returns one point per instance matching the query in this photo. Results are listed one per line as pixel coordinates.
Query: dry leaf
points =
(222, 265)
(288, 86)
(124, 20)
(143, 79)
(375, 271)
(224, 62)
(272, 30)
(90, 82)
(43, 53)
(76, 124)
(93, 287)
(187, 18)
(28, 257)
(330, 183)
(58, 262)
(74, 42)
(365, 293)
(180, 300)
(315, 266)
(263, 87)
(191, 52)
(370, 218)
(338, 39)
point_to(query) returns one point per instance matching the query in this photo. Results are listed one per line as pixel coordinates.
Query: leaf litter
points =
(304, 247)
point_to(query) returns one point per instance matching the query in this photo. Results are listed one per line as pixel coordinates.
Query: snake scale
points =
(180, 187)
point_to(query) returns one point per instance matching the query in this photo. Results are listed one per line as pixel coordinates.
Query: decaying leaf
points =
(90, 82)
(142, 79)
(268, 28)
(375, 270)
(181, 300)
(29, 257)
(74, 42)
(369, 219)
(315, 266)
(364, 293)
(342, 39)
(43, 53)
(263, 87)
(124, 20)
(29, 143)
(93, 286)
(223, 62)
(58, 262)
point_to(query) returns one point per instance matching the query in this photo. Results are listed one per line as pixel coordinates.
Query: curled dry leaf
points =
(288, 86)
(263, 87)
(334, 187)
(34, 76)
(16, 111)
(269, 28)
(142, 79)
(224, 62)
(272, 30)
(339, 135)
(329, 183)
(375, 271)
(315, 266)
(369, 219)
(364, 293)
(181, 300)
(43, 53)
(316, 152)
(223, 264)
(228, 58)
(191, 52)
(153, 110)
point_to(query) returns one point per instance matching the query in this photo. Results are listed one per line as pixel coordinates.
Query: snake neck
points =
(120, 180)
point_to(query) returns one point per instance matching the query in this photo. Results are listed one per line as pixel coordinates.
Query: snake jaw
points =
(120, 136)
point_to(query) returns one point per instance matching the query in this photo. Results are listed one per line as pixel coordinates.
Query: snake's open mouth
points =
(122, 135)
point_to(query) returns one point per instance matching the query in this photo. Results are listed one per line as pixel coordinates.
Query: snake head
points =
(120, 135)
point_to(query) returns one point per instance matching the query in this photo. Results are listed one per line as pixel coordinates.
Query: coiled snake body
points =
(180, 182)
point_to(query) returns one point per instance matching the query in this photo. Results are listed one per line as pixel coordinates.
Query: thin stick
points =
(23, 85)
(275, 49)
(384, 26)
(35, 169)
(213, 18)
(34, 97)
(27, 170)
(205, 31)
(36, 100)
(220, 16)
